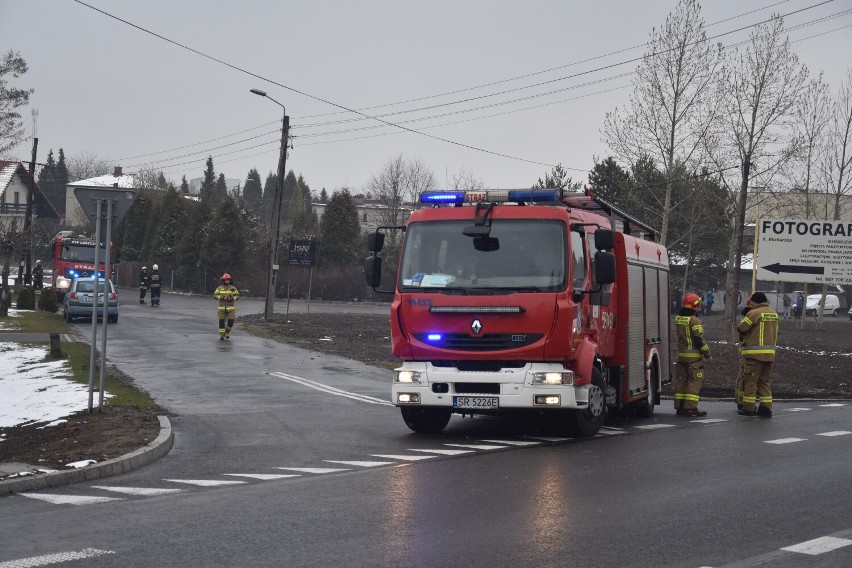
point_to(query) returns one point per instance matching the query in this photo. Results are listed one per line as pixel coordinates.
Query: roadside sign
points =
(303, 252)
(804, 250)
(88, 198)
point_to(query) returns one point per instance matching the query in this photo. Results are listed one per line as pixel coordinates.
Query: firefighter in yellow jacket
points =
(227, 294)
(759, 330)
(691, 352)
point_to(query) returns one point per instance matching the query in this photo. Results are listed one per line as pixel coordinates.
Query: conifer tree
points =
(184, 186)
(340, 232)
(209, 181)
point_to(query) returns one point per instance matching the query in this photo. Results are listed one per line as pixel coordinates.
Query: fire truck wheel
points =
(588, 421)
(426, 420)
(645, 408)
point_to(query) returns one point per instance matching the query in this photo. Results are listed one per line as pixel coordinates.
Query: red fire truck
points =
(74, 257)
(536, 300)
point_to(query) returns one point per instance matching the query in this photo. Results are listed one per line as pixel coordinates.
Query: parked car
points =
(832, 305)
(77, 302)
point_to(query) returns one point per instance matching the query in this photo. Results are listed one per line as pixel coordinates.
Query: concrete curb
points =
(123, 464)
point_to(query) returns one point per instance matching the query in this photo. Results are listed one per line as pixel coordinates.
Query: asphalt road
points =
(284, 457)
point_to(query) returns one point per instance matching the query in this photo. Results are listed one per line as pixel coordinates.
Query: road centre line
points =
(59, 557)
(785, 441)
(330, 390)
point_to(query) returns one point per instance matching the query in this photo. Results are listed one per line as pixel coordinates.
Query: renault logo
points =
(476, 327)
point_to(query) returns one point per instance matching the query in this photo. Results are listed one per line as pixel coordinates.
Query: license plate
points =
(480, 402)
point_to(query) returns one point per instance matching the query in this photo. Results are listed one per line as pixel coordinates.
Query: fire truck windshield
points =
(81, 253)
(524, 255)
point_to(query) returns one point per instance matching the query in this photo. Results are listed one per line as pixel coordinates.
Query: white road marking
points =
(785, 440)
(331, 390)
(835, 433)
(818, 545)
(513, 442)
(442, 452)
(547, 439)
(312, 469)
(476, 446)
(262, 476)
(144, 491)
(48, 559)
(206, 482)
(360, 463)
(403, 458)
(709, 421)
(655, 426)
(610, 432)
(69, 499)
(796, 409)
(833, 404)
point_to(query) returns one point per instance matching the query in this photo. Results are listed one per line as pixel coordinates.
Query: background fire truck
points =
(530, 300)
(74, 257)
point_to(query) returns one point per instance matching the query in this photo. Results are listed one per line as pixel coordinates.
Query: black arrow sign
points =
(778, 268)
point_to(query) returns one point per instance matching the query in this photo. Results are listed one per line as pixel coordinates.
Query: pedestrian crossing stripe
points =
(313, 469)
(207, 482)
(57, 499)
(835, 433)
(655, 426)
(476, 447)
(141, 491)
(442, 452)
(512, 442)
(263, 476)
(360, 463)
(403, 458)
(786, 441)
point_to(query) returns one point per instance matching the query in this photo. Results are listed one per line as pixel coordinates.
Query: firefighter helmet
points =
(226, 276)
(692, 301)
(144, 268)
(155, 267)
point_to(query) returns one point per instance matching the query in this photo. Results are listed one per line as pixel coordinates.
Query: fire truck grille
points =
(485, 342)
(477, 388)
(480, 366)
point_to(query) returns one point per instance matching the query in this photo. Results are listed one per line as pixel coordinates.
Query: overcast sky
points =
(107, 88)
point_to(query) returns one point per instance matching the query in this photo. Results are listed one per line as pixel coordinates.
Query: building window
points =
(16, 199)
(363, 219)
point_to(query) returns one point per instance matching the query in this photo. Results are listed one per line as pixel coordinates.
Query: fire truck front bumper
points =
(533, 386)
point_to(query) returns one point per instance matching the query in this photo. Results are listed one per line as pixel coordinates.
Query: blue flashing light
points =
(442, 197)
(519, 195)
(434, 337)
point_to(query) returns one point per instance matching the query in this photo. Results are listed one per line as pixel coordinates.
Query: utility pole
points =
(275, 229)
(26, 260)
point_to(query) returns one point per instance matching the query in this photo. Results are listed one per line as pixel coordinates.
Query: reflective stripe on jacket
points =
(759, 329)
(690, 339)
(227, 295)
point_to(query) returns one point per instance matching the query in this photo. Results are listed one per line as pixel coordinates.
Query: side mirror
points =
(604, 267)
(375, 241)
(373, 270)
(604, 239)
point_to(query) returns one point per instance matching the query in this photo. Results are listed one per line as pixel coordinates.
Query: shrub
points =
(26, 299)
(48, 301)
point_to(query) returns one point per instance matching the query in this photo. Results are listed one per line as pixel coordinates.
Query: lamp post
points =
(276, 210)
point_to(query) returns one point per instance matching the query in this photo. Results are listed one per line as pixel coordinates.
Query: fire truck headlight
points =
(408, 398)
(553, 378)
(62, 283)
(407, 377)
(548, 399)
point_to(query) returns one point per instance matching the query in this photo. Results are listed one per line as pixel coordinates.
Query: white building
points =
(74, 214)
(15, 186)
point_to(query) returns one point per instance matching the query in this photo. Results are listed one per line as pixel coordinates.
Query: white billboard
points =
(804, 250)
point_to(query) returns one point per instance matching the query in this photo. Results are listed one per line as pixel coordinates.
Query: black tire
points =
(113, 319)
(587, 422)
(426, 420)
(645, 408)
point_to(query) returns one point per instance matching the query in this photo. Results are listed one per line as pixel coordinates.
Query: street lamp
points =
(276, 210)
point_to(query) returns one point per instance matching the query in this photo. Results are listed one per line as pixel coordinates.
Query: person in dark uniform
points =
(154, 282)
(38, 276)
(144, 284)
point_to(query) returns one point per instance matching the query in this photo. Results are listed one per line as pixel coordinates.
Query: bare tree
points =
(85, 165)
(399, 181)
(672, 106)
(466, 181)
(11, 127)
(839, 148)
(762, 88)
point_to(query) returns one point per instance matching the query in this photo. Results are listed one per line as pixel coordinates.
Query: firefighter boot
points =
(763, 412)
(693, 413)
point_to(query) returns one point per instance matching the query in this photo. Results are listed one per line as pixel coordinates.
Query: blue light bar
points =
(434, 337)
(519, 195)
(489, 196)
(442, 197)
